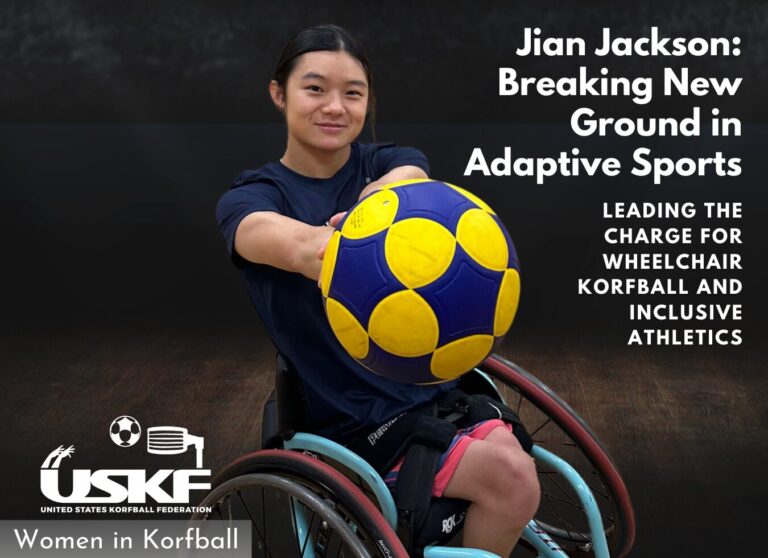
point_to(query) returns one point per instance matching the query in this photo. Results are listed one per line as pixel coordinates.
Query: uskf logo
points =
(129, 485)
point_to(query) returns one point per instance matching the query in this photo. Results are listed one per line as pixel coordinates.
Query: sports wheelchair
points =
(313, 498)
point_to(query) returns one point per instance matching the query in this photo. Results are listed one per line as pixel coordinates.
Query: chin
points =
(333, 144)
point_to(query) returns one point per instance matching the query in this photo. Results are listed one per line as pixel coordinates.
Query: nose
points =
(334, 106)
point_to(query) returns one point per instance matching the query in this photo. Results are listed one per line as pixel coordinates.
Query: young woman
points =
(276, 224)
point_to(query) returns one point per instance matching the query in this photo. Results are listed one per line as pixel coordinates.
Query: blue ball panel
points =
(463, 298)
(512, 261)
(361, 276)
(432, 200)
(414, 370)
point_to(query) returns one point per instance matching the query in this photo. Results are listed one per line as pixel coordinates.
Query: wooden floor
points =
(686, 428)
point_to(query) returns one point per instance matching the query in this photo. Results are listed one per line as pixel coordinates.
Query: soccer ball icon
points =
(125, 431)
(420, 281)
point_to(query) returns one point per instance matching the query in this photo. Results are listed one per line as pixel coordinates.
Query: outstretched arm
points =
(266, 237)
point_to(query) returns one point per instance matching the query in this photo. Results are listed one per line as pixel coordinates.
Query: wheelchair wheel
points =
(556, 427)
(299, 507)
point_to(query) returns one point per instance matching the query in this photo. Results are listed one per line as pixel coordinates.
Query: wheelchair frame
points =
(539, 535)
(538, 538)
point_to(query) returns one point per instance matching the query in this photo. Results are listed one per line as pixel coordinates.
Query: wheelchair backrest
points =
(290, 397)
(283, 412)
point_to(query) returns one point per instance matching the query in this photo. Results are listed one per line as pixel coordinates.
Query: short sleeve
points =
(236, 203)
(390, 156)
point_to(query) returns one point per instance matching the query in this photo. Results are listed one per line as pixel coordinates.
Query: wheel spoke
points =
(263, 516)
(308, 537)
(574, 503)
(262, 536)
(565, 492)
(551, 477)
(568, 526)
(339, 548)
(563, 500)
(570, 500)
(227, 505)
(546, 422)
(599, 491)
(557, 517)
(296, 527)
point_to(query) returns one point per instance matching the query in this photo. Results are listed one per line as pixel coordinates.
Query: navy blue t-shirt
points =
(343, 397)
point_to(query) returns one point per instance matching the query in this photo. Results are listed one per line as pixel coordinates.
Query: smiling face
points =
(324, 100)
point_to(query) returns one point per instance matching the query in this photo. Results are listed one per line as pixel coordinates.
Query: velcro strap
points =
(434, 433)
(431, 437)
(414, 492)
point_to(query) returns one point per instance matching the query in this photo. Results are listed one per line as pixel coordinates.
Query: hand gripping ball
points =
(420, 281)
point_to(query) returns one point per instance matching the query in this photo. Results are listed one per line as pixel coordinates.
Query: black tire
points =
(345, 499)
(555, 426)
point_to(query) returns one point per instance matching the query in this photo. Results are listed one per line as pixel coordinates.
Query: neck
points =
(313, 162)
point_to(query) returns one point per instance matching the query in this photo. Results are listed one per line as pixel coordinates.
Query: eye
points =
(355, 93)
(314, 88)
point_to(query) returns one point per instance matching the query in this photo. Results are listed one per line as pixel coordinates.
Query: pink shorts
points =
(450, 459)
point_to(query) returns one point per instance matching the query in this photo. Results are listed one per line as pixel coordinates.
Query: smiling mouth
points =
(331, 129)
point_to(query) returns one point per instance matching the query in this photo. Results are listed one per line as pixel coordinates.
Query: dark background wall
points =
(208, 62)
(122, 123)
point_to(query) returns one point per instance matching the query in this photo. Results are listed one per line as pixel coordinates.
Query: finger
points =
(333, 221)
(328, 232)
(321, 250)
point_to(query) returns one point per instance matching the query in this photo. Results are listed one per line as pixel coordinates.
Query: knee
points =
(516, 493)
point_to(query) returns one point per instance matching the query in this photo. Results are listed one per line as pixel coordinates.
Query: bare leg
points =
(499, 478)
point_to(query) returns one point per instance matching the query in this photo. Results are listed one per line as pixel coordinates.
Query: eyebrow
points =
(315, 75)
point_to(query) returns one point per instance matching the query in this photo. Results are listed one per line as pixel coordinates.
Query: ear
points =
(278, 95)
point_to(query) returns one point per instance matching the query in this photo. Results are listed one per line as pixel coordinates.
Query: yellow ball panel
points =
(506, 303)
(374, 214)
(418, 251)
(482, 238)
(404, 325)
(454, 359)
(329, 262)
(473, 197)
(348, 330)
(405, 182)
